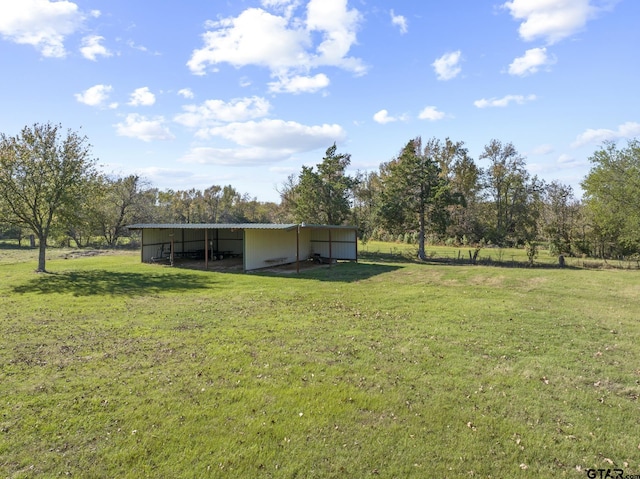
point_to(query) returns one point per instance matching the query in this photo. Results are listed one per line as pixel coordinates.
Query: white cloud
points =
(447, 66)
(504, 101)
(300, 84)
(255, 37)
(215, 112)
(338, 27)
(287, 7)
(566, 160)
(431, 113)
(383, 117)
(400, 21)
(154, 172)
(142, 128)
(283, 43)
(235, 156)
(264, 142)
(135, 46)
(278, 4)
(626, 130)
(542, 149)
(142, 97)
(552, 20)
(530, 62)
(91, 48)
(280, 134)
(41, 23)
(186, 93)
(97, 95)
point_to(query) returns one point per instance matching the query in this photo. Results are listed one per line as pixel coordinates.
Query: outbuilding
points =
(259, 245)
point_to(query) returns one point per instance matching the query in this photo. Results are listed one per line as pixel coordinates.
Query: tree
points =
(612, 196)
(231, 205)
(185, 205)
(366, 197)
(414, 192)
(465, 181)
(42, 178)
(303, 199)
(321, 196)
(506, 180)
(85, 221)
(560, 212)
(463, 177)
(211, 200)
(120, 203)
(336, 186)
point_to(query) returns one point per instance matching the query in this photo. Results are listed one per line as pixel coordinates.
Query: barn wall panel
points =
(154, 243)
(228, 240)
(343, 244)
(306, 249)
(264, 248)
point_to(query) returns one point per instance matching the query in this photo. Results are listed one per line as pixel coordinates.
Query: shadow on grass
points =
(481, 261)
(14, 246)
(386, 257)
(100, 282)
(346, 272)
(494, 263)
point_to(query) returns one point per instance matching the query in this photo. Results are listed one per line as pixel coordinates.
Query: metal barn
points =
(258, 245)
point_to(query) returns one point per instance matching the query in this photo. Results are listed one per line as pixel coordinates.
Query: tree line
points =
(434, 192)
(430, 192)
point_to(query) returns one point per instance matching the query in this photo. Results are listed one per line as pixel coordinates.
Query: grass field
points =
(384, 368)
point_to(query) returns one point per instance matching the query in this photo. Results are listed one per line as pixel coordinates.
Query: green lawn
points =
(384, 368)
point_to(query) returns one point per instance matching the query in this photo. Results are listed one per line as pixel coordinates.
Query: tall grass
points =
(112, 368)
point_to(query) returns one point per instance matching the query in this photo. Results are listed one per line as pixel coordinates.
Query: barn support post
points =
(330, 250)
(206, 248)
(172, 252)
(355, 239)
(298, 249)
(244, 250)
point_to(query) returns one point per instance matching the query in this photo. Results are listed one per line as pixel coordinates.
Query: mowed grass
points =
(113, 368)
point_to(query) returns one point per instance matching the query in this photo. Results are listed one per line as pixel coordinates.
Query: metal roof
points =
(333, 227)
(214, 226)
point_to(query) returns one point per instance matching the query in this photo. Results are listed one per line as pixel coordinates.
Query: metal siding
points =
(343, 243)
(319, 234)
(269, 248)
(262, 246)
(306, 250)
(153, 240)
(230, 240)
(193, 235)
(147, 253)
(343, 251)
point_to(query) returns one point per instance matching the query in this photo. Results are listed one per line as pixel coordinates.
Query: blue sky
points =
(189, 94)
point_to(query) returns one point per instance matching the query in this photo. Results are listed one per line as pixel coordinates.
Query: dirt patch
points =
(487, 281)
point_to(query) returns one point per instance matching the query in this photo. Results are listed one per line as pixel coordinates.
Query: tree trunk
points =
(42, 255)
(421, 235)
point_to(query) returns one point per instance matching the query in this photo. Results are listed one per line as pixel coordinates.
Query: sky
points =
(190, 94)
